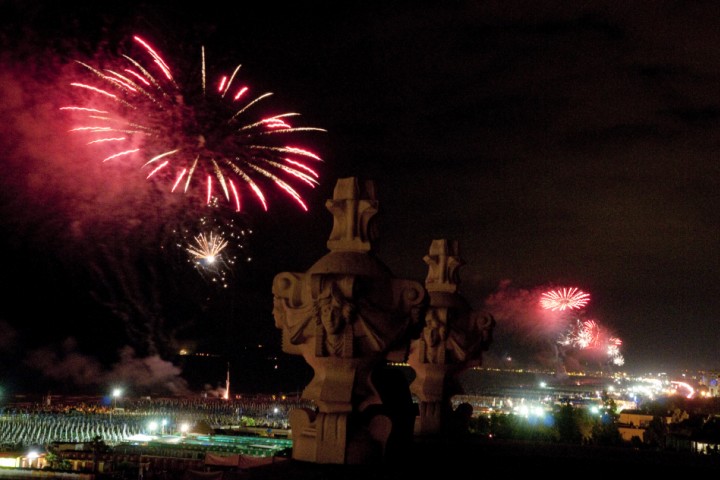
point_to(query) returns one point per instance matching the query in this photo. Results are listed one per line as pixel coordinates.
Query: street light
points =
(32, 456)
(117, 392)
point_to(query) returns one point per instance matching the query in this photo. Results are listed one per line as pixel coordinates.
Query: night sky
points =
(572, 144)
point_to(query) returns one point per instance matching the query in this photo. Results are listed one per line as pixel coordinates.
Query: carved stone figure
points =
(347, 316)
(434, 337)
(453, 340)
(336, 315)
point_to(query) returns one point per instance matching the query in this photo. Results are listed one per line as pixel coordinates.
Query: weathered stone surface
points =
(347, 315)
(452, 340)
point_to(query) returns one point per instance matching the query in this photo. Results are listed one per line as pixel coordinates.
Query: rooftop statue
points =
(452, 340)
(347, 316)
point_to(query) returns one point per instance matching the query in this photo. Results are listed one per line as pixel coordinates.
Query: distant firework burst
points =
(195, 136)
(214, 245)
(207, 248)
(582, 334)
(207, 256)
(564, 299)
(588, 335)
(613, 351)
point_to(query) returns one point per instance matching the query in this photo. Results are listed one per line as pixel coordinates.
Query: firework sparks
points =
(564, 299)
(588, 335)
(191, 136)
(211, 258)
(580, 334)
(207, 248)
(613, 351)
(214, 243)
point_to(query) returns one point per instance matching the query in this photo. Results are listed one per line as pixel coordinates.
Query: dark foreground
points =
(476, 456)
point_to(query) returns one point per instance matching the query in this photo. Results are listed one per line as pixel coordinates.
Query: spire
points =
(353, 206)
(443, 262)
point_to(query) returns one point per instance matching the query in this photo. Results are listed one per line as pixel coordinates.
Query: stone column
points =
(347, 315)
(452, 340)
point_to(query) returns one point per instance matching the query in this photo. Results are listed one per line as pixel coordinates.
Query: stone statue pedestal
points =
(347, 316)
(452, 340)
(429, 387)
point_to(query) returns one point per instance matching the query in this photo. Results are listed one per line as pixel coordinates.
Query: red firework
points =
(564, 299)
(190, 136)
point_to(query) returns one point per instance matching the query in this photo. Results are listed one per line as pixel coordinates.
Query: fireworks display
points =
(222, 242)
(564, 299)
(613, 351)
(194, 135)
(581, 335)
(574, 334)
(207, 248)
(588, 335)
(557, 336)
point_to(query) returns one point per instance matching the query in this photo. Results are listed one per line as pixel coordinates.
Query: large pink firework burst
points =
(564, 299)
(193, 136)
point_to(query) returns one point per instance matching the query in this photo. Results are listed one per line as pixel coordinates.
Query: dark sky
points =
(572, 144)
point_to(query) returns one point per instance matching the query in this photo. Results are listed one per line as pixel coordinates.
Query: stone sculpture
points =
(452, 341)
(348, 316)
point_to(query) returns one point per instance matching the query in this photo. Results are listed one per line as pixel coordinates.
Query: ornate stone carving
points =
(452, 340)
(351, 230)
(347, 315)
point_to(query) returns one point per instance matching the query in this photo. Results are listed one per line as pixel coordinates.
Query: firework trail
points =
(195, 136)
(128, 280)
